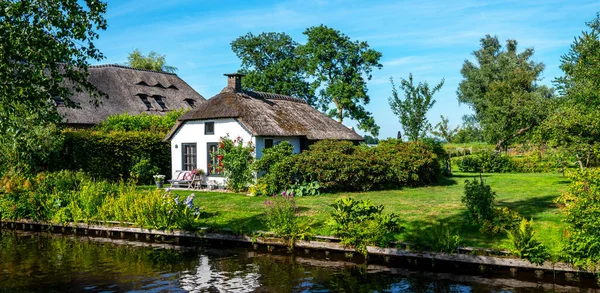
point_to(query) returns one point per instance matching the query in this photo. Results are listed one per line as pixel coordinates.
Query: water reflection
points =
(54, 263)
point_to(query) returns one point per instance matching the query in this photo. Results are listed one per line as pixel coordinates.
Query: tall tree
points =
(444, 131)
(341, 67)
(272, 64)
(152, 61)
(501, 87)
(45, 48)
(575, 126)
(412, 110)
(469, 131)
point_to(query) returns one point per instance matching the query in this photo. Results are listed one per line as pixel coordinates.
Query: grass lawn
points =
(532, 195)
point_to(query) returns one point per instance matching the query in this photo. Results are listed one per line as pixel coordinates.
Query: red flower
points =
(220, 157)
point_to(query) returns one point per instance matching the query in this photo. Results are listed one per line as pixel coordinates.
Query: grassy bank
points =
(532, 195)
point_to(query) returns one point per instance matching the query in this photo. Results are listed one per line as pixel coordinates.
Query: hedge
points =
(342, 166)
(110, 155)
(491, 162)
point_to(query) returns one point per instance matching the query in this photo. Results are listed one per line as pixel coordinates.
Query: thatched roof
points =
(128, 90)
(266, 114)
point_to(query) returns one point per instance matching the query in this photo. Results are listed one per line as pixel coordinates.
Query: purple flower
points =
(284, 193)
(177, 200)
(292, 194)
(298, 214)
(168, 189)
(189, 201)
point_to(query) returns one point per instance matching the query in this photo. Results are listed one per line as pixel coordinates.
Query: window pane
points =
(268, 143)
(209, 128)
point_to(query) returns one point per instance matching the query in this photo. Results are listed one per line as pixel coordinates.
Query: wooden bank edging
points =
(307, 244)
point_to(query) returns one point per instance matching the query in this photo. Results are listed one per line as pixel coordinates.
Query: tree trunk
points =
(518, 133)
(579, 161)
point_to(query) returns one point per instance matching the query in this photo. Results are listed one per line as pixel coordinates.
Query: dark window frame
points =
(193, 156)
(146, 101)
(190, 102)
(160, 100)
(211, 161)
(206, 127)
(272, 143)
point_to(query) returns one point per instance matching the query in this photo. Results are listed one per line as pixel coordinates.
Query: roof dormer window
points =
(159, 100)
(145, 100)
(190, 102)
(172, 87)
(58, 101)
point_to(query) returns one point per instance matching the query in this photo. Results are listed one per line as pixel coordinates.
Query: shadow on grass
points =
(470, 175)
(530, 207)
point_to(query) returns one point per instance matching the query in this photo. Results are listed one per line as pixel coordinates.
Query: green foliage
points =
(155, 209)
(341, 67)
(341, 166)
(237, 159)
(141, 122)
(412, 110)
(486, 162)
(437, 237)
(153, 61)
(272, 64)
(271, 156)
(503, 221)
(493, 162)
(67, 196)
(524, 246)
(370, 140)
(143, 170)
(479, 200)
(42, 45)
(359, 223)
(501, 84)
(110, 155)
(581, 206)
(28, 140)
(470, 131)
(443, 130)
(306, 189)
(282, 217)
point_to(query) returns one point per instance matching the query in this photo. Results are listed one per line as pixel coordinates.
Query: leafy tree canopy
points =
(370, 140)
(45, 48)
(412, 110)
(575, 126)
(341, 67)
(272, 64)
(152, 61)
(501, 87)
(444, 131)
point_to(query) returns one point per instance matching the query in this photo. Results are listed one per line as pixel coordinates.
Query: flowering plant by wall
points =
(233, 159)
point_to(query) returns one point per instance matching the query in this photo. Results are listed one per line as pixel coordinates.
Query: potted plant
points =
(159, 180)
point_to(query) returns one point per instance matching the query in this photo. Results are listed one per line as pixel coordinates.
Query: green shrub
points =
(141, 122)
(503, 221)
(360, 223)
(524, 246)
(486, 162)
(236, 159)
(342, 166)
(307, 189)
(479, 200)
(438, 238)
(143, 170)
(282, 217)
(110, 155)
(155, 209)
(581, 206)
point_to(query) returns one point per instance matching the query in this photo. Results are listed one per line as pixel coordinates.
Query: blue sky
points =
(431, 39)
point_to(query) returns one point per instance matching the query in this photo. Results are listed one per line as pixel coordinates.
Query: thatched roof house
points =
(263, 118)
(130, 90)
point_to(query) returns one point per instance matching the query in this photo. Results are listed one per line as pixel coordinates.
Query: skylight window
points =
(190, 102)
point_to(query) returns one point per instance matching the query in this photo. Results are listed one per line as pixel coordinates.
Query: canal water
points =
(44, 262)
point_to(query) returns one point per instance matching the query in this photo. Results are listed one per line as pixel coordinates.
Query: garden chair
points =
(182, 179)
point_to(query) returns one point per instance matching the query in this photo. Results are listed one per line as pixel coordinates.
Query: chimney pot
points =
(234, 81)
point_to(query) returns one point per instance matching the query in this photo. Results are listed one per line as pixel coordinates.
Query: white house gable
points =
(191, 143)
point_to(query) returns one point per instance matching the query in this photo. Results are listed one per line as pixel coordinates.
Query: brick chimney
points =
(234, 81)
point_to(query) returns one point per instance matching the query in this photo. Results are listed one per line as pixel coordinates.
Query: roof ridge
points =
(273, 96)
(114, 65)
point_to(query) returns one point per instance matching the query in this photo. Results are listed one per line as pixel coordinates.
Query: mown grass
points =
(532, 195)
